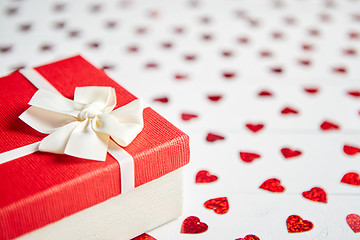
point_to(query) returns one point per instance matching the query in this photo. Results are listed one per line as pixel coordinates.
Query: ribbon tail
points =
(84, 142)
(127, 168)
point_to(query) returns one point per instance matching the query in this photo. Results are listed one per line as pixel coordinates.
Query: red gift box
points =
(41, 188)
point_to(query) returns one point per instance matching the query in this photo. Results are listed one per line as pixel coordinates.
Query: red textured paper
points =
(42, 188)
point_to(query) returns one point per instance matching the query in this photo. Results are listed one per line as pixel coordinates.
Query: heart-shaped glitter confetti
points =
(304, 62)
(326, 125)
(144, 236)
(219, 205)
(295, 224)
(192, 224)
(351, 178)
(254, 127)
(214, 98)
(289, 110)
(265, 93)
(188, 116)
(249, 237)
(211, 137)
(161, 99)
(351, 150)
(353, 220)
(229, 75)
(311, 90)
(277, 70)
(204, 176)
(272, 185)
(354, 93)
(181, 76)
(340, 70)
(316, 194)
(248, 156)
(289, 153)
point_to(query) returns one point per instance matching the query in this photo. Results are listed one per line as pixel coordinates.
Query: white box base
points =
(122, 217)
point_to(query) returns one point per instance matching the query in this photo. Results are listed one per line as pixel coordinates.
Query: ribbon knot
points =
(89, 112)
(82, 127)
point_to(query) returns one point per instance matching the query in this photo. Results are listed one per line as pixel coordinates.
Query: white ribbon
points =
(82, 127)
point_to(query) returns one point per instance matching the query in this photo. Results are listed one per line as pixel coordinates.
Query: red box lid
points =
(41, 188)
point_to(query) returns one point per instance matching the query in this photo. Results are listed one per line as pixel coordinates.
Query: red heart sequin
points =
(350, 52)
(326, 125)
(132, 49)
(311, 90)
(265, 53)
(243, 40)
(91, 45)
(12, 11)
(289, 153)
(144, 236)
(161, 99)
(141, 30)
(354, 93)
(254, 127)
(353, 220)
(305, 62)
(307, 47)
(204, 176)
(48, 47)
(167, 45)
(240, 13)
(211, 137)
(249, 237)
(253, 22)
(219, 205)
(356, 17)
(188, 116)
(277, 70)
(296, 224)
(290, 20)
(151, 65)
(190, 57)
(248, 156)
(227, 53)
(289, 110)
(180, 76)
(265, 93)
(272, 185)
(107, 67)
(205, 20)
(214, 98)
(351, 178)
(229, 74)
(192, 224)
(179, 30)
(153, 13)
(341, 70)
(314, 32)
(351, 150)
(5, 49)
(207, 37)
(353, 35)
(316, 194)
(277, 35)
(324, 17)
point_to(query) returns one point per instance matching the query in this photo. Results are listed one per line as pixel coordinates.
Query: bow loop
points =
(82, 127)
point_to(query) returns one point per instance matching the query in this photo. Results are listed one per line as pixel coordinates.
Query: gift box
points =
(49, 190)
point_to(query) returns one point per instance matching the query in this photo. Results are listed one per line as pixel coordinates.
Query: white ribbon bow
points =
(82, 127)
